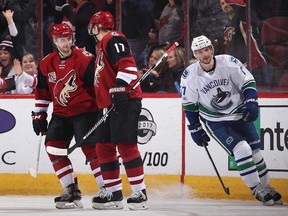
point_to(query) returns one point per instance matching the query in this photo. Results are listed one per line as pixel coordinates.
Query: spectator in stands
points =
(79, 17)
(14, 79)
(152, 82)
(235, 37)
(170, 25)
(6, 65)
(26, 74)
(20, 19)
(137, 21)
(170, 78)
(13, 34)
(207, 17)
(175, 61)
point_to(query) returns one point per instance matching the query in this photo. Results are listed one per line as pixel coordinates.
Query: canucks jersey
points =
(217, 94)
(68, 83)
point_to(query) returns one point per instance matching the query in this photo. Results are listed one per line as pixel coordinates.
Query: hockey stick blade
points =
(34, 172)
(61, 152)
(226, 189)
(56, 151)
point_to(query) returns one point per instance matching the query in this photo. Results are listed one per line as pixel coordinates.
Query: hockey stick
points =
(34, 172)
(63, 152)
(226, 189)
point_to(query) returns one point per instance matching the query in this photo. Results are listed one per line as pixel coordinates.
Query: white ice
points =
(44, 206)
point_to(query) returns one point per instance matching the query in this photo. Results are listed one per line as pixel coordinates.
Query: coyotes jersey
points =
(217, 94)
(114, 59)
(68, 83)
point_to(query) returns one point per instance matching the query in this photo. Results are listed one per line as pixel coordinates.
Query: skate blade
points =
(138, 206)
(269, 203)
(108, 206)
(278, 202)
(76, 204)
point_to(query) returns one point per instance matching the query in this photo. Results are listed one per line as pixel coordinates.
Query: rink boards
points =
(170, 157)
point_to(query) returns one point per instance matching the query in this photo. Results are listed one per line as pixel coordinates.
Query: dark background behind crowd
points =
(155, 24)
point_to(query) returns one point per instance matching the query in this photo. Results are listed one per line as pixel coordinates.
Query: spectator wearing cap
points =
(7, 73)
(13, 80)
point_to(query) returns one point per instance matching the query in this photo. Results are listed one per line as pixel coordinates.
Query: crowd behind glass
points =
(153, 25)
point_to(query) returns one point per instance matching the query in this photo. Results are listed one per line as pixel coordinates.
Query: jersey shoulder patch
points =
(233, 60)
(185, 74)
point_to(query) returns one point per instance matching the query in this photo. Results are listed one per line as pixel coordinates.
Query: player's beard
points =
(65, 50)
(208, 63)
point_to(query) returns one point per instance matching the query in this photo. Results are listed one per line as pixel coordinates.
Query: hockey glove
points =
(119, 97)
(250, 110)
(39, 121)
(60, 4)
(199, 136)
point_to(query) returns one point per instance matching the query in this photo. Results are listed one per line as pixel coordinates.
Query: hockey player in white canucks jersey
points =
(221, 92)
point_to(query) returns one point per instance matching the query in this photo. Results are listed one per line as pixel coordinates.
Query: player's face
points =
(172, 60)
(153, 59)
(29, 64)
(5, 57)
(64, 44)
(204, 55)
(226, 8)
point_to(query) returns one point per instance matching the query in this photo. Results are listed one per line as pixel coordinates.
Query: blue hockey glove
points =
(250, 110)
(199, 136)
(39, 121)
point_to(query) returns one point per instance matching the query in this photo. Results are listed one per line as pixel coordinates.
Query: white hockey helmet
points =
(199, 43)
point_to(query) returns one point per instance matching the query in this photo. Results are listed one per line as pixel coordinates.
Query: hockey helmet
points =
(200, 42)
(61, 30)
(102, 19)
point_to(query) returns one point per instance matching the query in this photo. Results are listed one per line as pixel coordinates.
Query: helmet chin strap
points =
(95, 35)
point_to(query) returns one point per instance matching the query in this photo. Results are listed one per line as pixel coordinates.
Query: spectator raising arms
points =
(26, 77)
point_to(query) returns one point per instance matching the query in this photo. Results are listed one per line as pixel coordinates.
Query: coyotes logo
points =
(228, 34)
(63, 87)
(99, 67)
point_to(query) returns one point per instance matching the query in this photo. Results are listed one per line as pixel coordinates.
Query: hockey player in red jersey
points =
(65, 78)
(115, 75)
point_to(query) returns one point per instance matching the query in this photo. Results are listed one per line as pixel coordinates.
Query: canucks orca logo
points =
(146, 126)
(7, 120)
(220, 98)
(64, 86)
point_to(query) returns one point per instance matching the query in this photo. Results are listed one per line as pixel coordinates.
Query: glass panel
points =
(225, 22)
(271, 19)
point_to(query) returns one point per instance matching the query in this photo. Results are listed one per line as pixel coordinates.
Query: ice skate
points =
(106, 200)
(263, 195)
(101, 192)
(70, 198)
(138, 200)
(275, 195)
